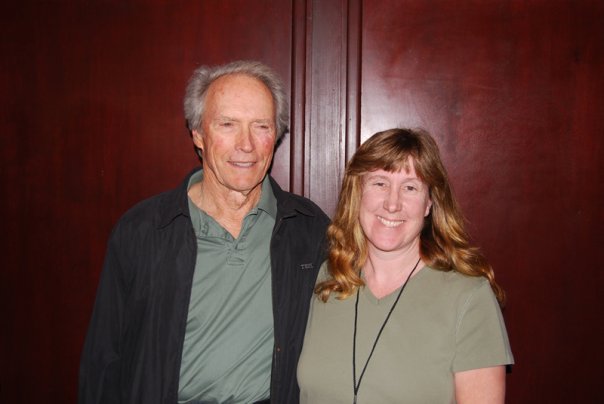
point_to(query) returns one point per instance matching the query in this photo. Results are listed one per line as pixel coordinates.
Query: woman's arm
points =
(486, 385)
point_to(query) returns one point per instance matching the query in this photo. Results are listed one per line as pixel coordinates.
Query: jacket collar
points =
(174, 203)
(289, 204)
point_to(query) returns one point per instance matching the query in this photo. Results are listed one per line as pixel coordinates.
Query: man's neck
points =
(227, 207)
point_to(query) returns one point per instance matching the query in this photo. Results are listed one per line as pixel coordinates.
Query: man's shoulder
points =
(146, 207)
(290, 203)
(156, 210)
(303, 203)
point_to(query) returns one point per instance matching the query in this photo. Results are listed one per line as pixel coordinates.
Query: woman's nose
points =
(393, 201)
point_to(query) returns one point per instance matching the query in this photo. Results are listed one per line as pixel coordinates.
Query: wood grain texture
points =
(512, 92)
(92, 122)
(326, 78)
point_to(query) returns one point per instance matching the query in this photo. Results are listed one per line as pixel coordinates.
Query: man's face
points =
(238, 134)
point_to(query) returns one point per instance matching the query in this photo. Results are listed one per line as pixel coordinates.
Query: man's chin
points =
(245, 187)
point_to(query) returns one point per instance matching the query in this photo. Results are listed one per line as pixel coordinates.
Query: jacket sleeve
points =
(99, 377)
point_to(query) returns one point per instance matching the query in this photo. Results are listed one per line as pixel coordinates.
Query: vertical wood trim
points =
(353, 79)
(300, 46)
(325, 125)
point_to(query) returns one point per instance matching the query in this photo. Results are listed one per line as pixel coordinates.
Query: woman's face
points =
(393, 208)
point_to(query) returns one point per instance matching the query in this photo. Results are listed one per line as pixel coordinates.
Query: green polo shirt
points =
(228, 345)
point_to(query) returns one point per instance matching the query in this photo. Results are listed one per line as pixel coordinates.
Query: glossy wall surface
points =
(513, 93)
(91, 122)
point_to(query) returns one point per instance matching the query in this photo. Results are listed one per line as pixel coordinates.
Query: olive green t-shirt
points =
(444, 323)
(227, 352)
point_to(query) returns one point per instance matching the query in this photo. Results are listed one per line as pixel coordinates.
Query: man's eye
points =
(262, 126)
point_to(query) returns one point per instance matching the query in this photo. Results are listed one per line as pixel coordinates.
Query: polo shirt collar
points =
(267, 202)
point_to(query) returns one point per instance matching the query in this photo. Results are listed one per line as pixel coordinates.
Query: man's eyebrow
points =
(224, 118)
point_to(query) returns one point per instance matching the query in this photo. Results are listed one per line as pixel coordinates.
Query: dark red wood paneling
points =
(513, 93)
(328, 94)
(92, 122)
(326, 87)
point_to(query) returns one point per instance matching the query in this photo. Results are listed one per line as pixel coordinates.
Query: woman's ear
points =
(428, 207)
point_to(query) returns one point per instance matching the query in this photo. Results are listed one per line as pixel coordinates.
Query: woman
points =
(406, 311)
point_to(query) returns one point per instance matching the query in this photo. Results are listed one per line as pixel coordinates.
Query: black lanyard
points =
(356, 385)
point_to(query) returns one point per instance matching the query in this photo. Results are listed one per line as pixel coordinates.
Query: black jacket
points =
(133, 348)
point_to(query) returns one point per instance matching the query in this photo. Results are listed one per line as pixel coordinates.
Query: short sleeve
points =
(481, 337)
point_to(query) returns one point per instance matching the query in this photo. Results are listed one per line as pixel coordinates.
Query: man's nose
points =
(245, 141)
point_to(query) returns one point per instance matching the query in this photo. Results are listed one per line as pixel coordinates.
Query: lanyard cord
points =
(356, 385)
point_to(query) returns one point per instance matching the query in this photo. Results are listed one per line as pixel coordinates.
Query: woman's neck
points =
(386, 273)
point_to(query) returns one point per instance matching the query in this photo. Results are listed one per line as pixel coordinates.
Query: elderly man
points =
(205, 289)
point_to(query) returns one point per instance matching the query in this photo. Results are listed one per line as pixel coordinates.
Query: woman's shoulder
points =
(452, 291)
(323, 272)
(453, 281)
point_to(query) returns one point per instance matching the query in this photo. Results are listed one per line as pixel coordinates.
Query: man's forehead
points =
(234, 81)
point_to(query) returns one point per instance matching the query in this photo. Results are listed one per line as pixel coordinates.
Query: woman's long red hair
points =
(444, 242)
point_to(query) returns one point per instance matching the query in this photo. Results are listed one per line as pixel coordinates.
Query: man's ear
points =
(197, 139)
